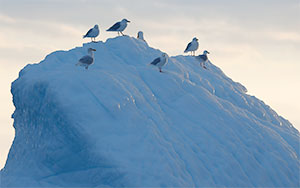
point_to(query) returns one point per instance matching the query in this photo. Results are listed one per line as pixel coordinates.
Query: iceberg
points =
(123, 123)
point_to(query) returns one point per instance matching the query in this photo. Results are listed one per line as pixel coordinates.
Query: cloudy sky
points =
(256, 43)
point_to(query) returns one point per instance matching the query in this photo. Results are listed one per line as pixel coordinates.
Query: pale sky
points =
(256, 43)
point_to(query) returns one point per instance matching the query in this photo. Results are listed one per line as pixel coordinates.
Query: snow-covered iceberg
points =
(122, 123)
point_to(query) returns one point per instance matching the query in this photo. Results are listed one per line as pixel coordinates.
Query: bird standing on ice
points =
(140, 35)
(92, 33)
(160, 61)
(192, 46)
(203, 58)
(87, 60)
(119, 26)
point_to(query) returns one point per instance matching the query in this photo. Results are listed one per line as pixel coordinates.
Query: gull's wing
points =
(86, 60)
(88, 33)
(202, 57)
(155, 61)
(115, 27)
(188, 46)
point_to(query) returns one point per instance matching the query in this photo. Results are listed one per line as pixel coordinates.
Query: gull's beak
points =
(208, 52)
(94, 49)
(128, 21)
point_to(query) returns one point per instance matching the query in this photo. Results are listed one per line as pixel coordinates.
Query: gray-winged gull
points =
(160, 61)
(192, 46)
(203, 58)
(92, 33)
(119, 26)
(87, 60)
(140, 35)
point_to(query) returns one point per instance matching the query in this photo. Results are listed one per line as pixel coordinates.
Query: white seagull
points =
(192, 46)
(119, 26)
(203, 58)
(92, 33)
(87, 60)
(140, 35)
(160, 61)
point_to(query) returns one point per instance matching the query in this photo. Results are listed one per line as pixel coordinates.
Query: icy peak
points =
(122, 123)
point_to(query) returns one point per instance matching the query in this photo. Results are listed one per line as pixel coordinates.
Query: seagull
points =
(140, 35)
(203, 58)
(192, 46)
(160, 61)
(87, 60)
(119, 26)
(92, 33)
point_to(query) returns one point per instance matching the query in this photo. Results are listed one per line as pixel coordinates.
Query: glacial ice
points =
(122, 123)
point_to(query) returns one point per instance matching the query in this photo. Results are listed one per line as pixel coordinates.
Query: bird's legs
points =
(121, 33)
(118, 33)
(160, 70)
(202, 64)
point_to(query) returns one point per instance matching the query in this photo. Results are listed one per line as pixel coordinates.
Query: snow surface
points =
(122, 123)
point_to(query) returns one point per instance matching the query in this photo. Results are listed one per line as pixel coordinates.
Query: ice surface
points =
(122, 123)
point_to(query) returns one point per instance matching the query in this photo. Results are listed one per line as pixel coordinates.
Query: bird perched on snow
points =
(140, 35)
(92, 33)
(203, 58)
(119, 26)
(160, 61)
(87, 60)
(192, 46)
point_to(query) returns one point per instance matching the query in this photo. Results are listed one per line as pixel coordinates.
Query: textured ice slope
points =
(122, 123)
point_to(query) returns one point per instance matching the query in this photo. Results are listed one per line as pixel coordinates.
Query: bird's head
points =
(165, 55)
(195, 39)
(125, 20)
(91, 50)
(96, 26)
(205, 52)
